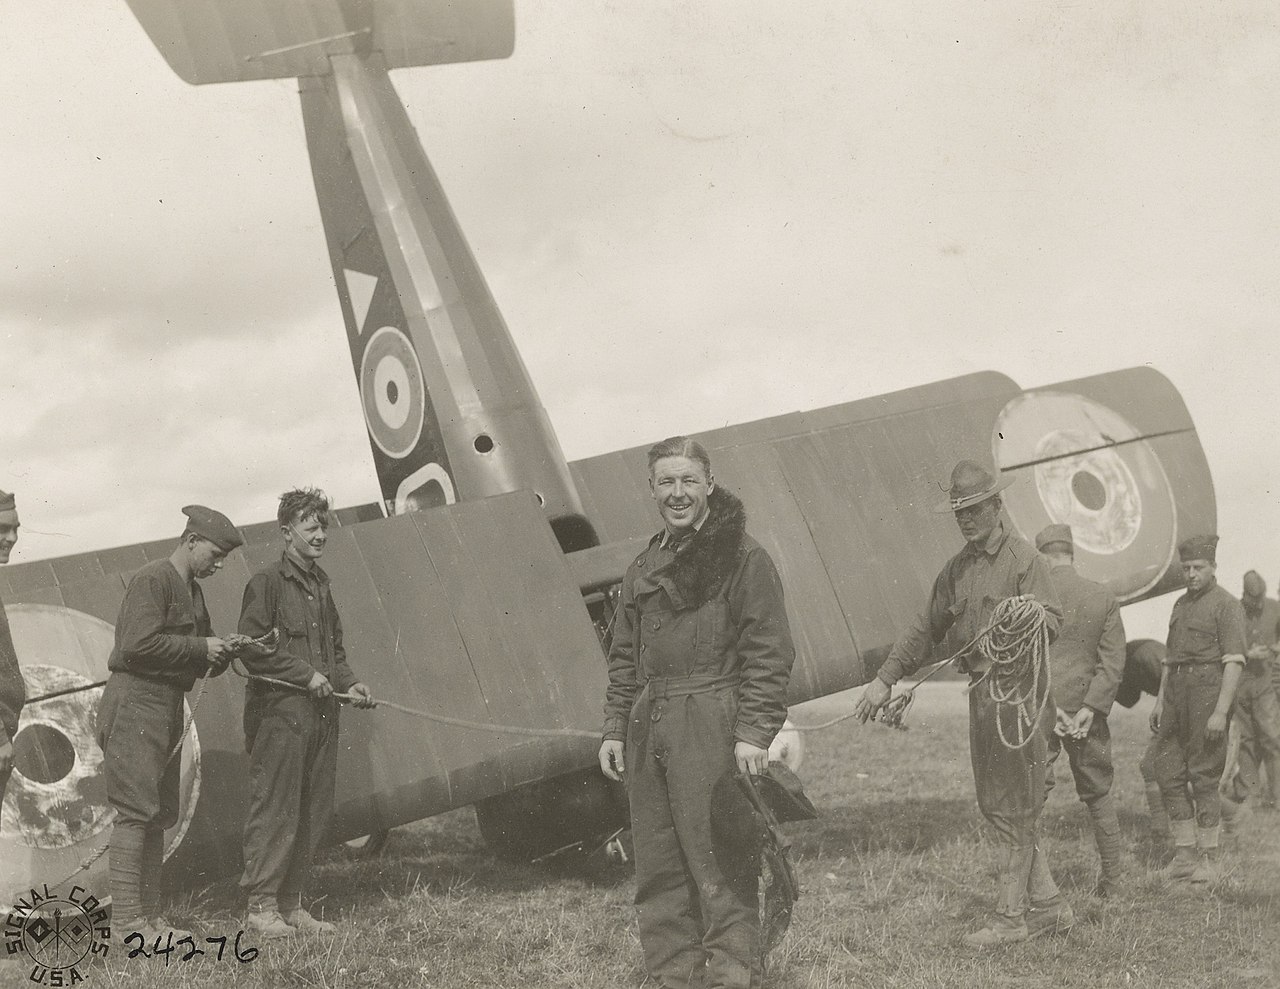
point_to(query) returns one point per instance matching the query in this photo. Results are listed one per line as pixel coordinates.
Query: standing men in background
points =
(1087, 661)
(995, 564)
(292, 735)
(13, 691)
(164, 643)
(1201, 669)
(1256, 715)
(698, 675)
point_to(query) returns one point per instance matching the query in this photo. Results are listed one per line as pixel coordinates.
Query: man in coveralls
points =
(698, 675)
(1256, 712)
(1197, 685)
(292, 735)
(995, 564)
(164, 643)
(1087, 659)
(13, 691)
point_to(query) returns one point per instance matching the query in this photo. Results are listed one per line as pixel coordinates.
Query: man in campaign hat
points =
(164, 642)
(996, 564)
(13, 691)
(1202, 665)
(1087, 662)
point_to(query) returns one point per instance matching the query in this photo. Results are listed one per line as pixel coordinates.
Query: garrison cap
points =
(1059, 532)
(213, 526)
(1198, 548)
(971, 483)
(7, 504)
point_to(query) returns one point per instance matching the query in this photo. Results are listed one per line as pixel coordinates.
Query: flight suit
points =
(1087, 660)
(1009, 782)
(685, 682)
(159, 653)
(291, 738)
(1203, 629)
(1256, 709)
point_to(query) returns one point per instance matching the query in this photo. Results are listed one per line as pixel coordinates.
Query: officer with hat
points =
(1087, 662)
(13, 691)
(995, 564)
(164, 643)
(1202, 667)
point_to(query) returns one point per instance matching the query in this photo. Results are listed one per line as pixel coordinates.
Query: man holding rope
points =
(1202, 666)
(292, 735)
(13, 690)
(1087, 660)
(698, 673)
(996, 566)
(164, 644)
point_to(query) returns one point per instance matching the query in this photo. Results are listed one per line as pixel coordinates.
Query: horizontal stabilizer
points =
(236, 40)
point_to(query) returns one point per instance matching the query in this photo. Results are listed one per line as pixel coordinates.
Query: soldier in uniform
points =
(1197, 685)
(1087, 660)
(698, 673)
(995, 564)
(292, 734)
(1256, 712)
(164, 643)
(13, 691)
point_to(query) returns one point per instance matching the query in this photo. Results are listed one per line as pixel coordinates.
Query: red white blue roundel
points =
(392, 392)
(1079, 462)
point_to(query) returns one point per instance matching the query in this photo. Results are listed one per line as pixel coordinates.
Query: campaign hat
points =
(213, 526)
(971, 483)
(7, 503)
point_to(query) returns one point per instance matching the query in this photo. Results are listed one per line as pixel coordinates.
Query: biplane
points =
(479, 588)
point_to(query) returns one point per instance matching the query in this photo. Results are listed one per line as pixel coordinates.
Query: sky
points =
(690, 215)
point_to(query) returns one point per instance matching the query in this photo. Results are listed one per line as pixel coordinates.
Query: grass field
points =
(897, 868)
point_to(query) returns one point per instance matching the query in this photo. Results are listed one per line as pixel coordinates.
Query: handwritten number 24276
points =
(169, 946)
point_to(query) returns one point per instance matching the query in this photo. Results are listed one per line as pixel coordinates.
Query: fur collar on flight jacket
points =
(713, 551)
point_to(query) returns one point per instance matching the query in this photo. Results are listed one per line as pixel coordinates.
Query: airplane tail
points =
(208, 41)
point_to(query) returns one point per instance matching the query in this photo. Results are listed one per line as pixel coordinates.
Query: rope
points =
(428, 715)
(1018, 678)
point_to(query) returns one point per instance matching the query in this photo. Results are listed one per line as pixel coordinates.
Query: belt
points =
(684, 686)
(1187, 667)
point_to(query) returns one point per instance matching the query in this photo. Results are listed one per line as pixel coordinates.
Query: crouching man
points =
(698, 675)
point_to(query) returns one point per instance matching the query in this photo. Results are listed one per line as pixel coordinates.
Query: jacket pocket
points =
(668, 641)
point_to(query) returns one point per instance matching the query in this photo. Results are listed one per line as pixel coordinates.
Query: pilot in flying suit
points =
(698, 670)
(13, 691)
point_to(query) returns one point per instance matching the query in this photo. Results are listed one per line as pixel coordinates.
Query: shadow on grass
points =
(888, 825)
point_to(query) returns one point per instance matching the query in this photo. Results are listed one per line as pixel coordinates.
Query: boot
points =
(266, 922)
(1208, 869)
(1184, 850)
(1158, 828)
(1054, 917)
(1106, 834)
(1001, 930)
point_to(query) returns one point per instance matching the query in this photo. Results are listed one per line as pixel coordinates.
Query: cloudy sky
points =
(690, 214)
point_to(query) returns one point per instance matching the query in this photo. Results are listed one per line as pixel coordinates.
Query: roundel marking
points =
(55, 811)
(1090, 468)
(392, 392)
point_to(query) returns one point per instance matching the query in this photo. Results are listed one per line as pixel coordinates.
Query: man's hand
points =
(319, 687)
(1215, 727)
(218, 650)
(750, 758)
(6, 753)
(1258, 652)
(1082, 722)
(872, 698)
(1155, 714)
(611, 759)
(361, 696)
(1063, 725)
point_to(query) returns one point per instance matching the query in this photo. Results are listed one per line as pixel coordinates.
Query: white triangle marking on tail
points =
(360, 287)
